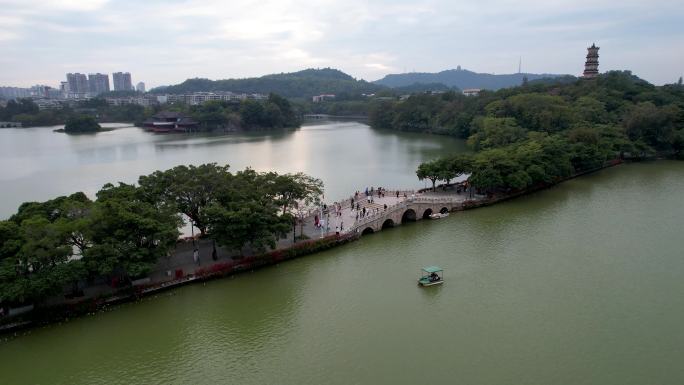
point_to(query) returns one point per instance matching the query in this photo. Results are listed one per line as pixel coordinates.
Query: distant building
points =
(196, 98)
(167, 121)
(140, 87)
(48, 104)
(14, 93)
(40, 91)
(138, 100)
(320, 98)
(54, 93)
(78, 84)
(592, 63)
(64, 88)
(471, 91)
(122, 81)
(98, 83)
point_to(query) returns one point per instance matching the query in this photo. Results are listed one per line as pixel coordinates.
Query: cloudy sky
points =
(165, 42)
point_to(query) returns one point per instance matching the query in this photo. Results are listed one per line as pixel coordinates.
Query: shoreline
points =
(44, 316)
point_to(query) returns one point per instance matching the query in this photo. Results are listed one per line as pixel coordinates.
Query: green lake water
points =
(578, 284)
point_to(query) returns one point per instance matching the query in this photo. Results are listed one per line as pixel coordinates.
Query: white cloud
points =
(168, 41)
(70, 5)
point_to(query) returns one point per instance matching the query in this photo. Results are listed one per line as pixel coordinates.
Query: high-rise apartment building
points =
(78, 83)
(140, 87)
(122, 81)
(14, 92)
(98, 83)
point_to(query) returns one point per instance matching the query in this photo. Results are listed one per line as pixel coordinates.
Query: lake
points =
(39, 164)
(577, 284)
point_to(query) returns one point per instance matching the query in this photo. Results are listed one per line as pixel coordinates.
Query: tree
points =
(18, 107)
(589, 109)
(35, 262)
(287, 113)
(81, 123)
(381, 114)
(431, 171)
(68, 214)
(12, 286)
(245, 213)
(254, 222)
(486, 178)
(652, 124)
(291, 190)
(445, 171)
(252, 113)
(189, 189)
(460, 164)
(129, 232)
(495, 132)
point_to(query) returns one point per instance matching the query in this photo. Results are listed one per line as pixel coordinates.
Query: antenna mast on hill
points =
(520, 65)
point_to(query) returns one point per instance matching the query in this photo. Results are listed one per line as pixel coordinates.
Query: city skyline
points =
(215, 40)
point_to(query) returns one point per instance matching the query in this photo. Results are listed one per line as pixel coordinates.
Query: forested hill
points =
(302, 84)
(545, 131)
(460, 79)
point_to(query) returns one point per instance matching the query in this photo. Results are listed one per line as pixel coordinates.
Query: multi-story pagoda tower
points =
(591, 65)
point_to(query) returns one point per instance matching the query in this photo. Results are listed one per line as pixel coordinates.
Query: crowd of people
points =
(361, 205)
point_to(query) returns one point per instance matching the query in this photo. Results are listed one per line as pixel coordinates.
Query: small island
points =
(81, 124)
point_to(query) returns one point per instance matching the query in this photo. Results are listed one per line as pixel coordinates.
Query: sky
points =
(165, 42)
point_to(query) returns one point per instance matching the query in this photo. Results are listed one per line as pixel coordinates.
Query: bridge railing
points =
(405, 204)
(373, 217)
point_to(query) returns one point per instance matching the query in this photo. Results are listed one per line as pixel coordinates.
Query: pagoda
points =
(591, 66)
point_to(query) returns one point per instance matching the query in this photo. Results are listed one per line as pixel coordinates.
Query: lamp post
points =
(320, 216)
(192, 232)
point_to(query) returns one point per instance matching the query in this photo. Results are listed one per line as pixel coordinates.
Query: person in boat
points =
(434, 277)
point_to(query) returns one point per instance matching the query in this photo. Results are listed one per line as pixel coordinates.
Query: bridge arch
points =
(367, 230)
(408, 216)
(443, 210)
(388, 223)
(427, 213)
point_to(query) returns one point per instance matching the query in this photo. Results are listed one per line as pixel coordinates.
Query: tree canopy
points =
(543, 131)
(127, 229)
(81, 124)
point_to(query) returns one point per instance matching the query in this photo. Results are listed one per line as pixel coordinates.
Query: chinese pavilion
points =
(168, 121)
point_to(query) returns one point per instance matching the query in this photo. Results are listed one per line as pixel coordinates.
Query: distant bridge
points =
(10, 124)
(333, 117)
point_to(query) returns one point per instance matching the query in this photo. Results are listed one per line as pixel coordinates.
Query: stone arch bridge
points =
(410, 210)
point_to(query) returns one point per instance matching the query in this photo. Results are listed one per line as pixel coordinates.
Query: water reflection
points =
(40, 164)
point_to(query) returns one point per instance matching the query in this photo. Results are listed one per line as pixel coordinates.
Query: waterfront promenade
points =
(332, 224)
(370, 213)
